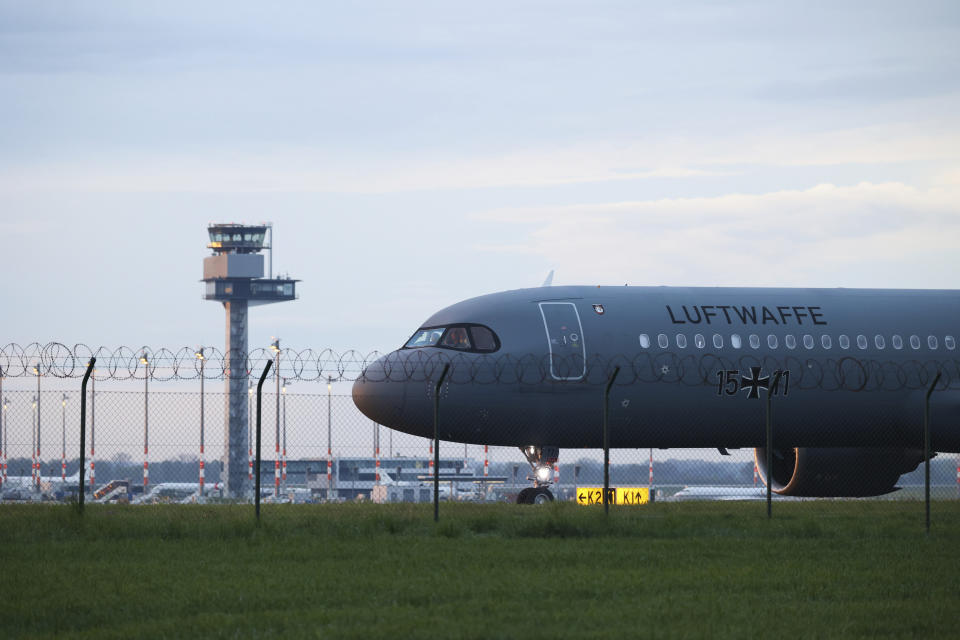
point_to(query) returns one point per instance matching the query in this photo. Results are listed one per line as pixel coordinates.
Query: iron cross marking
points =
(754, 383)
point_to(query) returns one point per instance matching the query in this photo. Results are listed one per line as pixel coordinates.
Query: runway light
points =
(199, 355)
(143, 358)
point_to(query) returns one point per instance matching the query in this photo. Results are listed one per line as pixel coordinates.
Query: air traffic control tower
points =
(233, 275)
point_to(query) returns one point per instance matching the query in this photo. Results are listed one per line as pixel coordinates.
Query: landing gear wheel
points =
(534, 495)
(541, 495)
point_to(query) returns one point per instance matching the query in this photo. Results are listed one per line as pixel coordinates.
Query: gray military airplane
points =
(846, 371)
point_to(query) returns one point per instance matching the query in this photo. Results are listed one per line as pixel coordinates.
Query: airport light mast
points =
(233, 275)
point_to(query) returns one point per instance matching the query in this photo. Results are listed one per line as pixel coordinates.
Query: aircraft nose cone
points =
(372, 395)
(388, 393)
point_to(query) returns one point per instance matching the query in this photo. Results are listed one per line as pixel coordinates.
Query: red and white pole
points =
(430, 460)
(556, 473)
(283, 459)
(34, 481)
(201, 471)
(486, 460)
(276, 472)
(650, 474)
(329, 474)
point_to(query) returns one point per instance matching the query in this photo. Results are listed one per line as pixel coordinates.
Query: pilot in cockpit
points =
(456, 338)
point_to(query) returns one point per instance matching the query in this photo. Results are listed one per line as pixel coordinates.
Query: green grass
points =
(840, 569)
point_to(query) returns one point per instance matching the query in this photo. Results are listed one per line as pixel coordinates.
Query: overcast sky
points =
(414, 154)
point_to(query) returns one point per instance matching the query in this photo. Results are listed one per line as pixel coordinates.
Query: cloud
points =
(826, 235)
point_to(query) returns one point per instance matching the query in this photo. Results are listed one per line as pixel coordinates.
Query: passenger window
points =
(790, 341)
(754, 341)
(483, 339)
(915, 342)
(456, 338)
(772, 341)
(644, 341)
(735, 341)
(844, 341)
(949, 343)
(717, 341)
(808, 341)
(880, 342)
(932, 342)
(681, 341)
(663, 341)
(862, 341)
(826, 341)
(897, 342)
(699, 341)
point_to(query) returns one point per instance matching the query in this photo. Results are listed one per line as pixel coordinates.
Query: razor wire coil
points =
(846, 373)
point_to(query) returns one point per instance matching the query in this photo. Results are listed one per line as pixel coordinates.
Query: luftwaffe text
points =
(738, 314)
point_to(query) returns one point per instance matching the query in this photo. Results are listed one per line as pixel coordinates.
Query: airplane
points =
(846, 372)
(47, 483)
(719, 493)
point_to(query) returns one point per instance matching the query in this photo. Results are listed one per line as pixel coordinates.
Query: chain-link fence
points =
(156, 431)
(147, 446)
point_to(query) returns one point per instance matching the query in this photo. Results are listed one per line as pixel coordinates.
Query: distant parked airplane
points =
(719, 493)
(47, 483)
(848, 369)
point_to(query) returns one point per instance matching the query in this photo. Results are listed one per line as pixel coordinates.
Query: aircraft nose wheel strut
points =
(541, 461)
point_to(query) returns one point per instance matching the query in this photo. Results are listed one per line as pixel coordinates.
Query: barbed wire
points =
(125, 363)
(846, 373)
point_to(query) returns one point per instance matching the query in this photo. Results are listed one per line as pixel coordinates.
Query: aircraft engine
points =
(837, 472)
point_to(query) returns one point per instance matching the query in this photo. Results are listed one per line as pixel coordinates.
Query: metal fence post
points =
(83, 428)
(3, 439)
(436, 443)
(201, 472)
(769, 456)
(263, 376)
(926, 449)
(39, 472)
(606, 441)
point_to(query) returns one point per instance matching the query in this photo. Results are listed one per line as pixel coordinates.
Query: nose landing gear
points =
(541, 460)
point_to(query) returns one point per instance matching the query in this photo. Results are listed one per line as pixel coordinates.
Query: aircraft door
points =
(561, 320)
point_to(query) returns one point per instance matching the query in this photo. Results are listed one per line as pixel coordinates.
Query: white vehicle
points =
(177, 492)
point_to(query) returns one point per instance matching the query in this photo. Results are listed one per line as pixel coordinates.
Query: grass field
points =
(839, 569)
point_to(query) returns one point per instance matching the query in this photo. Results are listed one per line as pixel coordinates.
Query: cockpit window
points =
(425, 338)
(466, 337)
(483, 339)
(456, 338)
